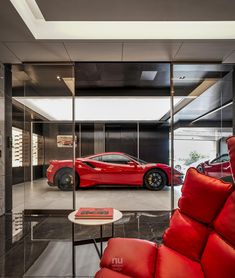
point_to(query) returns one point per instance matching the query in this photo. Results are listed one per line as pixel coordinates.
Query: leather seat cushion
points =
(133, 257)
(225, 222)
(107, 273)
(218, 259)
(172, 264)
(203, 196)
(186, 236)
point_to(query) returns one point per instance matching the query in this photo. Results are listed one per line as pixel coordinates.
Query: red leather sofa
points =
(200, 240)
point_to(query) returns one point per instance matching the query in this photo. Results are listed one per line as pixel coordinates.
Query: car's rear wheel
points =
(64, 179)
(155, 179)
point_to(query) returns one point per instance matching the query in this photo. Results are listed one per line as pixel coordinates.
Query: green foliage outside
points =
(194, 156)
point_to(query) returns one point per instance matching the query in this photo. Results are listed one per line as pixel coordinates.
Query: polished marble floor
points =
(45, 248)
(38, 195)
(41, 243)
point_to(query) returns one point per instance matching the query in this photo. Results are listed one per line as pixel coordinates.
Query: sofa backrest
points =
(203, 227)
(203, 196)
(202, 199)
(218, 258)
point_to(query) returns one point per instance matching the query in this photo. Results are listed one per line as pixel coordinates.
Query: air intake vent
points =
(88, 164)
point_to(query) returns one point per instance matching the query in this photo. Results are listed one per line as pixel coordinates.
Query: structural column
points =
(8, 137)
(5, 139)
(2, 142)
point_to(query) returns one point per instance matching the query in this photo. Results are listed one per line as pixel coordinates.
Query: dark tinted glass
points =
(115, 158)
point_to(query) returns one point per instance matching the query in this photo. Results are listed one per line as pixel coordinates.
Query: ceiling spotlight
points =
(182, 77)
(58, 77)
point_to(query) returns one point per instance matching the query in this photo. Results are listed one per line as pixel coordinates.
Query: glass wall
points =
(43, 136)
(103, 135)
(43, 144)
(123, 109)
(204, 119)
(118, 107)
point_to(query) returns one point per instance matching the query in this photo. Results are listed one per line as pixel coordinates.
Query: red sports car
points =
(111, 168)
(218, 167)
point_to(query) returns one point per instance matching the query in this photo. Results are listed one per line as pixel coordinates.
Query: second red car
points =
(217, 168)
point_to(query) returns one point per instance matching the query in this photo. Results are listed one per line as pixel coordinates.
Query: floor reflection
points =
(45, 248)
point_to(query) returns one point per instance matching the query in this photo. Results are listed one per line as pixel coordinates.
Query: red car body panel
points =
(216, 169)
(92, 172)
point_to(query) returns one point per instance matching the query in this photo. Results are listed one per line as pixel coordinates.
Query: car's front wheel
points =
(64, 179)
(155, 179)
(200, 169)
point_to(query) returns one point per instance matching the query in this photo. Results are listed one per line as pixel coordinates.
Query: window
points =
(220, 159)
(97, 158)
(115, 159)
(35, 149)
(138, 159)
(17, 147)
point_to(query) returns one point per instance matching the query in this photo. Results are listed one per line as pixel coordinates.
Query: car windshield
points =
(137, 159)
(220, 159)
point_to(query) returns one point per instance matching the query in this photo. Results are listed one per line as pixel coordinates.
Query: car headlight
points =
(49, 169)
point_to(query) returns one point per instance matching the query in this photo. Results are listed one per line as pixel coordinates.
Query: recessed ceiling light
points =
(148, 75)
(120, 30)
(33, 6)
(100, 108)
(58, 77)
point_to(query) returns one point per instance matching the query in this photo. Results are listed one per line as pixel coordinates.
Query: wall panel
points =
(154, 143)
(121, 138)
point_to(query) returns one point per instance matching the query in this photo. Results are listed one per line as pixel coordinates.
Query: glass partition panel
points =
(122, 110)
(204, 119)
(47, 143)
(122, 113)
(43, 164)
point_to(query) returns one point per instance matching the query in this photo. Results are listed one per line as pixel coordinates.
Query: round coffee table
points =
(117, 215)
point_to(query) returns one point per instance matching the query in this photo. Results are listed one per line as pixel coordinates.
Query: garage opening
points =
(204, 119)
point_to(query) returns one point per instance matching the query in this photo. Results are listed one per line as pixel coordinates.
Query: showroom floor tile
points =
(38, 195)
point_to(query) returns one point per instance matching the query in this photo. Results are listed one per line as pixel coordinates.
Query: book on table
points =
(94, 213)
